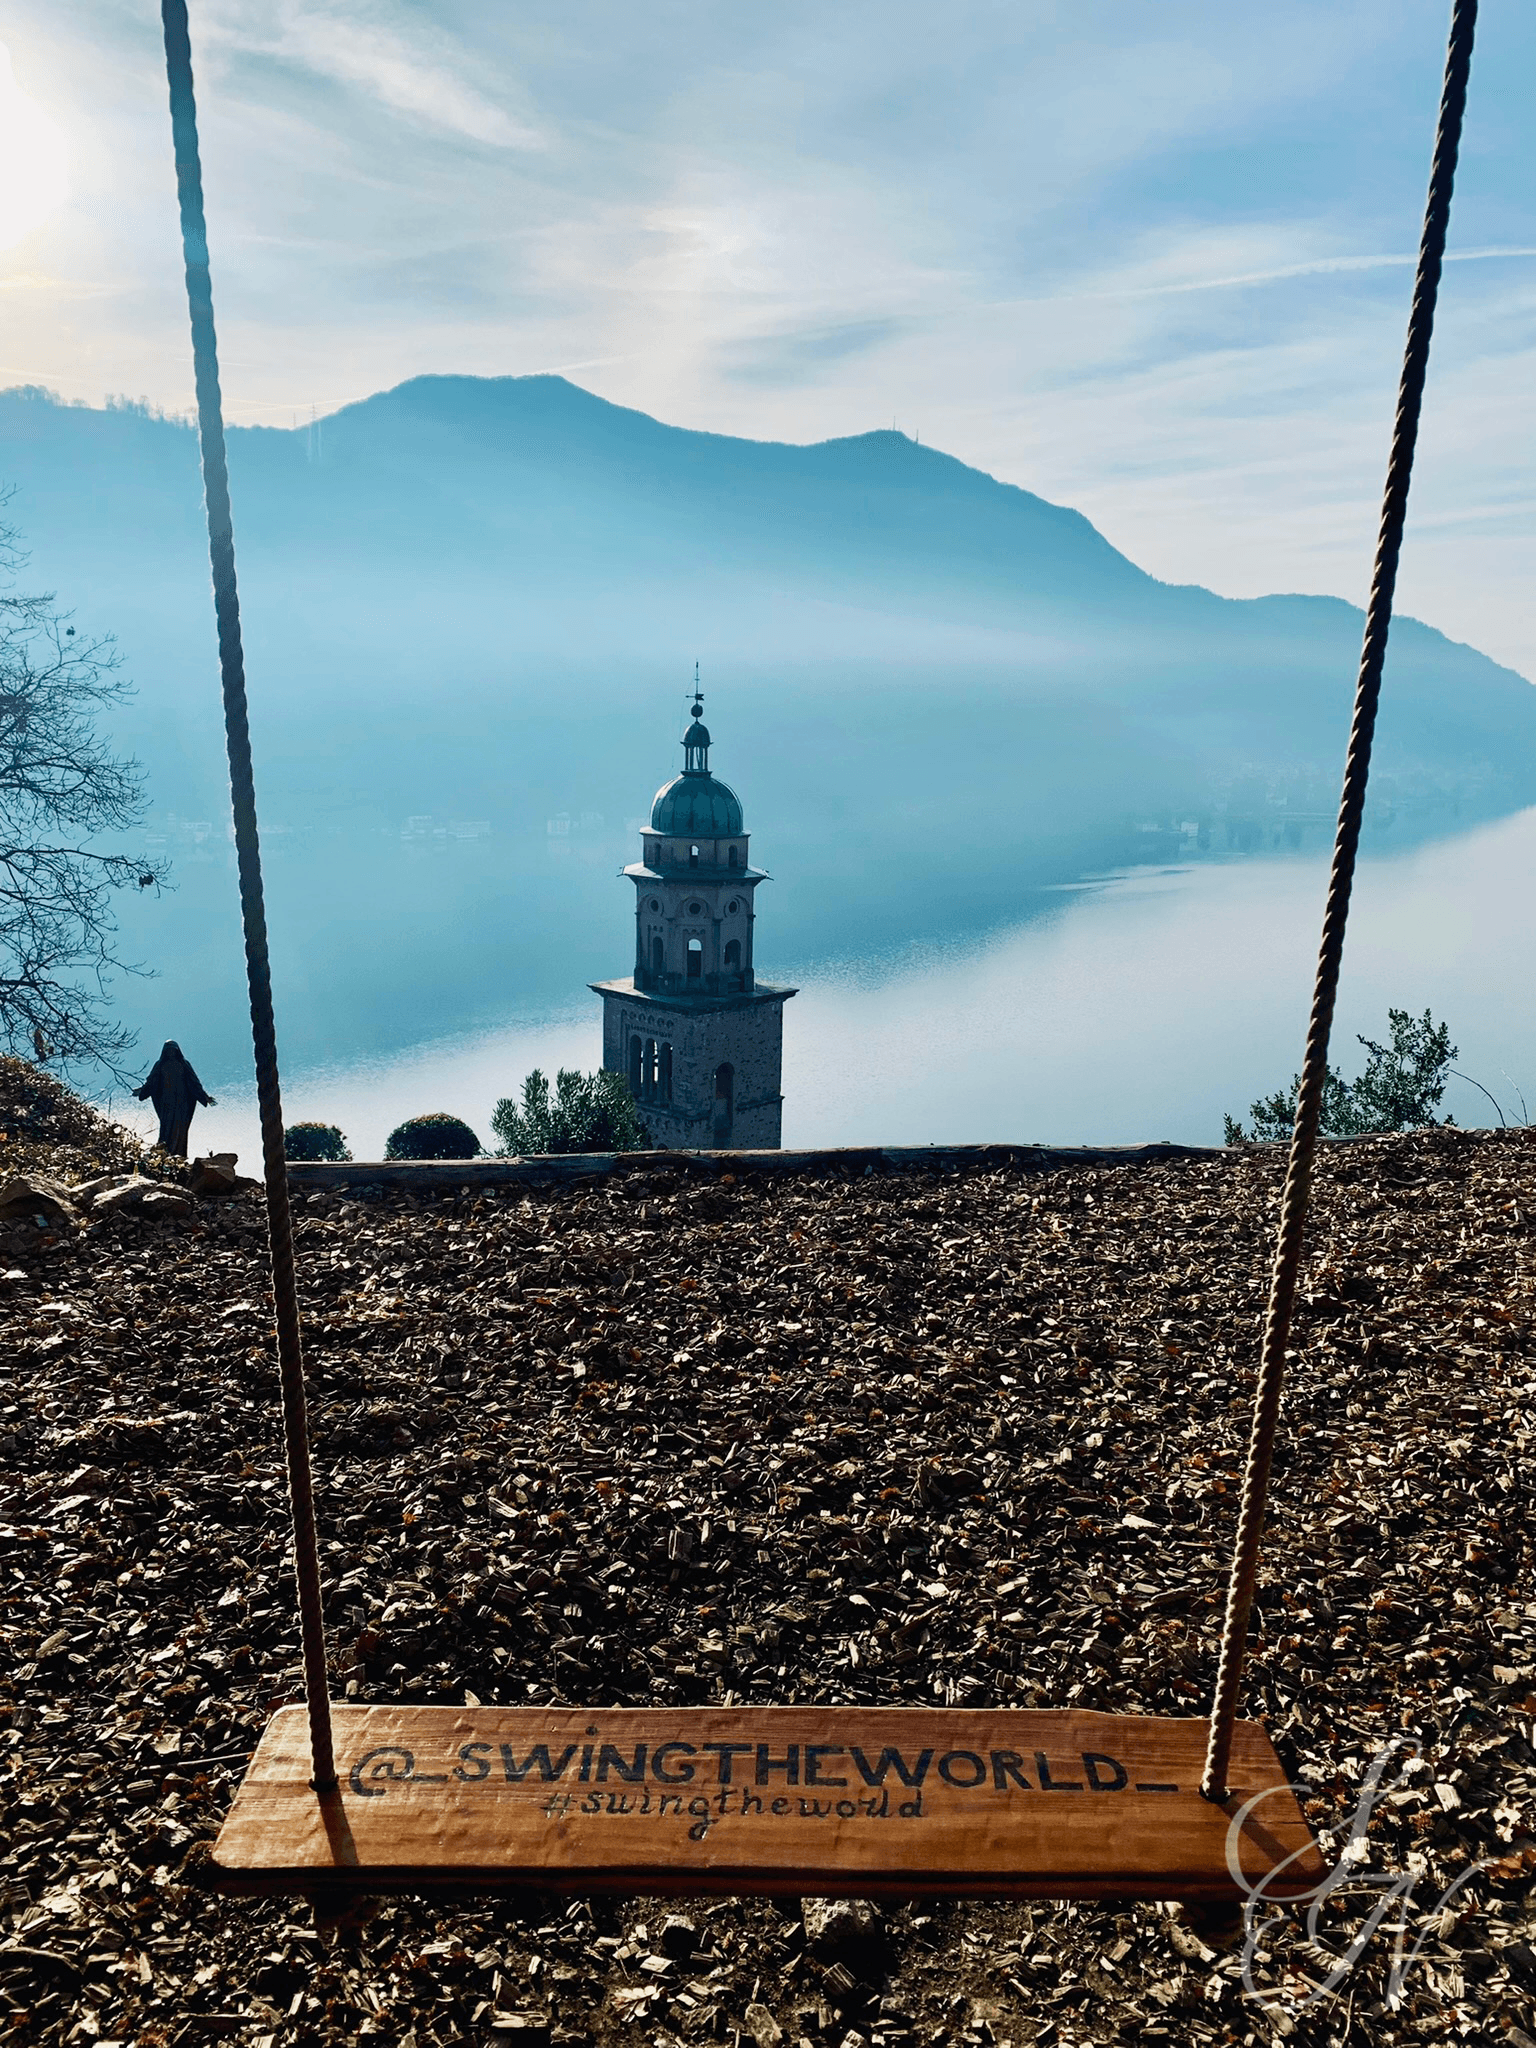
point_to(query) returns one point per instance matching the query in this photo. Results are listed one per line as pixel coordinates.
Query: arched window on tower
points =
(658, 954)
(648, 1071)
(695, 959)
(634, 1066)
(693, 856)
(664, 1077)
(735, 857)
(732, 954)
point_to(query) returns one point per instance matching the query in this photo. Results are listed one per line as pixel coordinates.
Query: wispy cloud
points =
(362, 49)
(796, 356)
(1321, 266)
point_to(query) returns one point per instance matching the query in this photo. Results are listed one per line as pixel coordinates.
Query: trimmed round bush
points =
(314, 1141)
(438, 1136)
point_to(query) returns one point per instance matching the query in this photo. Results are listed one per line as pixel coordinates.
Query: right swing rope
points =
(1314, 1071)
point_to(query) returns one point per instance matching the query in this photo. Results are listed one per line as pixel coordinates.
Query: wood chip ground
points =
(890, 1439)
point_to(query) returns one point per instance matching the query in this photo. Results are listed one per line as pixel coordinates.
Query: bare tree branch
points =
(62, 788)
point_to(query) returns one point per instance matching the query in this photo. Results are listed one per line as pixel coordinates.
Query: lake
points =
(1138, 1005)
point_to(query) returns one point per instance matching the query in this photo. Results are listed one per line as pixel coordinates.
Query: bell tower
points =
(698, 1036)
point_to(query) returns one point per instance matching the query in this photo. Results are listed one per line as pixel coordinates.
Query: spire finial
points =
(696, 738)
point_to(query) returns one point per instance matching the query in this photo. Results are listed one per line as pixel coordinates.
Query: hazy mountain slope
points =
(483, 599)
(578, 520)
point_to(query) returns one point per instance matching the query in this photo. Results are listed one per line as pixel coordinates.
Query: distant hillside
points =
(517, 546)
(482, 599)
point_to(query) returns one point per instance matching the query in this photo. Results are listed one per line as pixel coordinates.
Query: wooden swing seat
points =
(762, 1800)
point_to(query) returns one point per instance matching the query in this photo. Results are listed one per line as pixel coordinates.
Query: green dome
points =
(696, 806)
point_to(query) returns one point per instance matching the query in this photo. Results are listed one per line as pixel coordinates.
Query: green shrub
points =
(314, 1141)
(1400, 1089)
(437, 1136)
(588, 1113)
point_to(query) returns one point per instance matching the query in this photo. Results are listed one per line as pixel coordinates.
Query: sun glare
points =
(34, 161)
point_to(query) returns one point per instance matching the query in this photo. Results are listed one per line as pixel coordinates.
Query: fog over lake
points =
(472, 607)
(1137, 1006)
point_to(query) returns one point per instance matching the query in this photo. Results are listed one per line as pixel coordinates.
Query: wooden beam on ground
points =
(428, 1176)
(892, 1801)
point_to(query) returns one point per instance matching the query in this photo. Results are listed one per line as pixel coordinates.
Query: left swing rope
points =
(221, 550)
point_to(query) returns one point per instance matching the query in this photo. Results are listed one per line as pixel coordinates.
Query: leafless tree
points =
(64, 796)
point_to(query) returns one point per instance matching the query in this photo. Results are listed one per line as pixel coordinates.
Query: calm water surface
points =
(1136, 1007)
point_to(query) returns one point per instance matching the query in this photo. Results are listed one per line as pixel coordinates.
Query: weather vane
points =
(698, 694)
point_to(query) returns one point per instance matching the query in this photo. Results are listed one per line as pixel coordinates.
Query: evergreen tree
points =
(587, 1113)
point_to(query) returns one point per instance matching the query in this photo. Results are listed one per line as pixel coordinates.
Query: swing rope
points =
(1314, 1071)
(221, 550)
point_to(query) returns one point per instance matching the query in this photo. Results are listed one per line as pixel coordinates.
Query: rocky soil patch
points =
(45, 1127)
(891, 1439)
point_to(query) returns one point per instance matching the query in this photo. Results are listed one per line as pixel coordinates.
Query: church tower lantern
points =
(698, 1036)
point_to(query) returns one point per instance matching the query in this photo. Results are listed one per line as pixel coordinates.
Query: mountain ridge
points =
(575, 402)
(465, 537)
(939, 695)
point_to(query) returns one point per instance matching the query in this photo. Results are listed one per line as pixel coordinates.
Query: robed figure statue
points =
(175, 1090)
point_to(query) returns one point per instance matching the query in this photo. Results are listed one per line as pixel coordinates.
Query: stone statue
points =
(175, 1090)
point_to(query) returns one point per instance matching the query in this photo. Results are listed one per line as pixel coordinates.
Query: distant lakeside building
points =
(699, 1038)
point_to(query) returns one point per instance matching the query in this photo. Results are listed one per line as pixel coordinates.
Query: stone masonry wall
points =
(749, 1038)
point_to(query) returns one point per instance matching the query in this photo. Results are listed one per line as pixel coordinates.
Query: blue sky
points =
(1148, 259)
